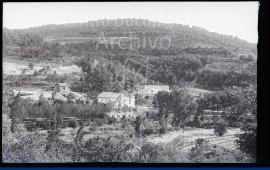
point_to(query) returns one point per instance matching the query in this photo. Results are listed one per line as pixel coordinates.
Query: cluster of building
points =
(63, 93)
(128, 99)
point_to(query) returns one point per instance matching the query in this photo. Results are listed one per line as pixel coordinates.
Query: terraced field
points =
(190, 135)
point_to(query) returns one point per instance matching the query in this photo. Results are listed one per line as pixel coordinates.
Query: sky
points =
(234, 18)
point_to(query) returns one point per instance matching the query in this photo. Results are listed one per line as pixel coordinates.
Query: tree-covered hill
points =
(182, 36)
(194, 55)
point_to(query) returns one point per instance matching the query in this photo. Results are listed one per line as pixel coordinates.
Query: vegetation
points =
(203, 152)
(192, 61)
(220, 128)
(21, 109)
(248, 141)
(179, 103)
(117, 149)
(245, 58)
(33, 148)
(248, 106)
(31, 65)
(234, 101)
(240, 106)
(140, 28)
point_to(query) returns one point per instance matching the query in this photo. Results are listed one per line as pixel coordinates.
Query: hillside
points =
(191, 55)
(182, 36)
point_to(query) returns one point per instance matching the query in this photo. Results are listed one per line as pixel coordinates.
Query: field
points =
(191, 134)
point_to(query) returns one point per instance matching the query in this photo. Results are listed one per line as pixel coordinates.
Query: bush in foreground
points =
(220, 128)
(203, 153)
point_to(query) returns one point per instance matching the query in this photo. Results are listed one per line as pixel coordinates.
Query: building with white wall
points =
(118, 99)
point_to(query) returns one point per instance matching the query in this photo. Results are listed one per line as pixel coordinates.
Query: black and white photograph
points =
(129, 82)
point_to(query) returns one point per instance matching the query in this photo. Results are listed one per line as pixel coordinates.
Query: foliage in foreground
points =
(203, 152)
(32, 147)
(28, 147)
(247, 141)
(220, 127)
(23, 147)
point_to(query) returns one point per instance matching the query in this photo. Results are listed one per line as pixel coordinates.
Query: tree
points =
(240, 106)
(247, 106)
(181, 107)
(101, 75)
(178, 102)
(245, 102)
(137, 124)
(162, 103)
(219, 100)
(247, 141)
(15, 112)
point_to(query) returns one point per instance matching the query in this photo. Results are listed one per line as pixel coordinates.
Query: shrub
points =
(162, 127)
(31, 65)
(36, 73)
(99, 122)
(247, 141)
(125, 109)
(197, 121)
(248, 58)
(103, 150)
(30, 148)
(220, 128)
(157, 153)
(140, 100)
(149, 153)
(197, 153)
(203, 152)
(162, 130)
(137, 124)
(111, 120)
(72, 124)
(148, 127)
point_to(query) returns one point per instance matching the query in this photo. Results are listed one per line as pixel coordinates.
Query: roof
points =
(159, 87)
(109, 95)
(114, 95)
